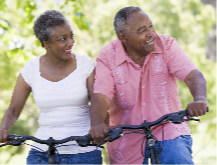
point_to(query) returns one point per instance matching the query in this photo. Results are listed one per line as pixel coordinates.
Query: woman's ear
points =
(45, 44)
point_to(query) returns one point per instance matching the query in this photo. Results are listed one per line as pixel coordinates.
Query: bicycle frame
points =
(152, 151)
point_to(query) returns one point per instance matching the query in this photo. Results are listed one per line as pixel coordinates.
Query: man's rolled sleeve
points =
(104, 82)
(180, 65)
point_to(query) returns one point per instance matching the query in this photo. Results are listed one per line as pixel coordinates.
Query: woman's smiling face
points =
(61, 43)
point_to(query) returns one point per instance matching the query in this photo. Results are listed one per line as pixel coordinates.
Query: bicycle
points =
(146, 129)
(114, 133)
(17, 140)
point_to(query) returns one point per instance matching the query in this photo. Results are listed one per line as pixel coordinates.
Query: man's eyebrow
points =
(141, 27)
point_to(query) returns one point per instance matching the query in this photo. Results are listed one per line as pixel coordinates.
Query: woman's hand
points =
(98, 132)
(3, 135)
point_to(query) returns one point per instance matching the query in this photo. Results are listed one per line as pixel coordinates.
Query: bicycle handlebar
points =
(114, 133)
(17, 140)
(175, 117)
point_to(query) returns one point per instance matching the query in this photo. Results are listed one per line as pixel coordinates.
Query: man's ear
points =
(122, 37)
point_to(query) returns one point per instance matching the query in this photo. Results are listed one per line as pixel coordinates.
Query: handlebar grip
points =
(11, 137)
(88, 138)
(85, 140)
(186, 111)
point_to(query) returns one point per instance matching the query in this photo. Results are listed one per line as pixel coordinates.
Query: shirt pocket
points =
(125, 95)
(165, 91)
(158, 65)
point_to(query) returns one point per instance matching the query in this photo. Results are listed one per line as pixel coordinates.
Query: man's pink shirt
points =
(141, 93)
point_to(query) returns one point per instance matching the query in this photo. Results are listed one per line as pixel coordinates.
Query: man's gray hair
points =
(45, 22)
(121, 17)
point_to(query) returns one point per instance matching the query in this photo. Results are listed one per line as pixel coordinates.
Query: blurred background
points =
(191, 22)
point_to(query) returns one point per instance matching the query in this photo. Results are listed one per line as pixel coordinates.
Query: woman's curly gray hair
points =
(121, 17)
(45, 22)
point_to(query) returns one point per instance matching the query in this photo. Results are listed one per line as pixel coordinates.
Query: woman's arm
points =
(90, 81)
(19, 97)
(98, 111)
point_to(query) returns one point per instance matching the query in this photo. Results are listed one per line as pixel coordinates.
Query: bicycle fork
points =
(152, 151)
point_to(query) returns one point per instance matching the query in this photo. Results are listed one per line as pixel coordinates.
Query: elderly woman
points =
(62, 84)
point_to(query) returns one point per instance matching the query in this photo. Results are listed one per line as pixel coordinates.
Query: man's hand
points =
(197, 108)
(3, 135)
(98, 132)
(197, 86)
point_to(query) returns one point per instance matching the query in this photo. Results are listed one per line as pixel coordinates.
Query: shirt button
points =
(143, 86)
(143, 103)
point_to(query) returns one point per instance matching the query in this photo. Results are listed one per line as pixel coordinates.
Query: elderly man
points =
(135, 81)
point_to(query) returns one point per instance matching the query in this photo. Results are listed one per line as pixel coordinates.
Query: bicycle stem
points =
(151, 144)
(51, 153)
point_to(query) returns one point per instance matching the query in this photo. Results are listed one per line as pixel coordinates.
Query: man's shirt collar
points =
(121, 55)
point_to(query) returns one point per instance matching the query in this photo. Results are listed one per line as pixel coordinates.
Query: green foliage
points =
(78, 17)
(2, 5)
(188, 21)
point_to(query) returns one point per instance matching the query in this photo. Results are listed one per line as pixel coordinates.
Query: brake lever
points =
(101, 143)
(82, 143)
(16, 143)
(113, 134)
(16, 140)
(6, 144)
(191, 119)
(176, 118)
(85, 144)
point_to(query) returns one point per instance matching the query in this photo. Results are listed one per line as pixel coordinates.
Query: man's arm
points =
(197, 86)
(99, 116)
